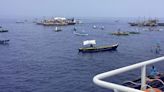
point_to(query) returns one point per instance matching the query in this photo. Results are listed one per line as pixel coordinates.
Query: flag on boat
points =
(88, 42)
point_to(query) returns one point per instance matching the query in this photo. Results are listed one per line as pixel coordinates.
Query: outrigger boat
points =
(96, 49)
(4, 41)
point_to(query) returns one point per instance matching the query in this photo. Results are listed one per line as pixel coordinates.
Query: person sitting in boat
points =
(158, 49)
(75, 29)
(153, 72)
(91, 45)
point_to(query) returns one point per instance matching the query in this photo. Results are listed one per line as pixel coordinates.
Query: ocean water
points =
(37, 59)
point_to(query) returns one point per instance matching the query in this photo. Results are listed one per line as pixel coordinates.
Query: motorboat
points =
(3, 30)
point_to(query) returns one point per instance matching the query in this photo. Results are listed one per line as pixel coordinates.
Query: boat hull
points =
(2, 31)
(160, 24)
(98, 49)
(58, 30)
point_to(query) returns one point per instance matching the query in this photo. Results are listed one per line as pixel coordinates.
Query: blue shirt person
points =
(153, 72)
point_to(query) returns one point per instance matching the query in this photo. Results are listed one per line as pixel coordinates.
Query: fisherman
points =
(158, 49)
(119, 30)
(153, 72)
(102, 28)
(75, 29)
(91, 45)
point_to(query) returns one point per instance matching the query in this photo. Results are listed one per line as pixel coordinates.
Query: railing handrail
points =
(98, 78)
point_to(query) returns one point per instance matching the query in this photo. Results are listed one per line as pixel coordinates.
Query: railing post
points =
(143, 77)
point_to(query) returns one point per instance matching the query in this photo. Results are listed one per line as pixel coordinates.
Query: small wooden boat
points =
(80, 34)
(3, 30)
(20, 22)
(133, 24)
(133, 32)
(4, 41)
(120, 33)
(96, 49)
(58, 29)
(39, 23)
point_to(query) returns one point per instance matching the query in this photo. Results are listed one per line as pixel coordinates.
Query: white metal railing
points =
(116, 87)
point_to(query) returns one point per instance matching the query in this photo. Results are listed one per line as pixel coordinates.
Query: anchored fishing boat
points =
(20, 22)
(4, 41)
(3, 30)
(120, 33)
(96, 49)
(134, 32)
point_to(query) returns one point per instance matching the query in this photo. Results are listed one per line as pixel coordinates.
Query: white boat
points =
(58, 29)
(94, 26)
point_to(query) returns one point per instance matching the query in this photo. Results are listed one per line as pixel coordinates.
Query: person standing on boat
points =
(158, 49)
(153, 72)
(75, 29)
(91, 45)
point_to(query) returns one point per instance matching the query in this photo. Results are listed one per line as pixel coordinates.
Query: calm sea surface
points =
(37, 59)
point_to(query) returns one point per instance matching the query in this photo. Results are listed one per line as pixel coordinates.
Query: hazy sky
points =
(82, 8)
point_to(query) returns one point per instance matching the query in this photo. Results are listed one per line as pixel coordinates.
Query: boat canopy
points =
(88, 42)
(60, 18)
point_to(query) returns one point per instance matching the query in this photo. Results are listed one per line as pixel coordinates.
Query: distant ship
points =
(150, 22)
(160, 24)
(58, 21)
